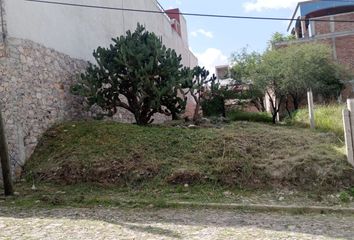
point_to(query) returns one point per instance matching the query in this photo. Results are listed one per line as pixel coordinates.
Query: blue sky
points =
(213, 40)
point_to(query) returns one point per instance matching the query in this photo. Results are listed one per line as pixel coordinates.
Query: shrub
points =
(214, 106)
(237, 115)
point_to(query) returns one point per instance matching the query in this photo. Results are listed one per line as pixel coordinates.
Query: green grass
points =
(327, 118)
(241, 155)
(237, 115)
(111, 164)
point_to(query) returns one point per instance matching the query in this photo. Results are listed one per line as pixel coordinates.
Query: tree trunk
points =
(287, 108)
(296, 99)
(296, 103)
(5, 161)
(274, 117)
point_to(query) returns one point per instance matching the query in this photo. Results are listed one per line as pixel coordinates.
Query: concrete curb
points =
(265, 208)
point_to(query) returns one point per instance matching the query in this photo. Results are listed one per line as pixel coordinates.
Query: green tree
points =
(137, 73)
(310, 66)
(245, 66)
(268, 78)
(278, 37)
(285, 75)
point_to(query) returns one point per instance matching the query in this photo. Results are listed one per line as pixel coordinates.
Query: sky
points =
(214, 40)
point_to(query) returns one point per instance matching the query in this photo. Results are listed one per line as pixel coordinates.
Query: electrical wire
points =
(186, 14)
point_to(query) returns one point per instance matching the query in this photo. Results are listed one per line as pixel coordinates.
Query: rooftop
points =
(318, 8)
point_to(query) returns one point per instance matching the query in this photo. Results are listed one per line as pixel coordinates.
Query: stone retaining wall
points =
(35, 93)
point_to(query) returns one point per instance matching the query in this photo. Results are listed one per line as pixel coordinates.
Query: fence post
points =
(311, 108)
(348, 122)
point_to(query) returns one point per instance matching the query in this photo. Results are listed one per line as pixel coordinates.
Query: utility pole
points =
(5, 161)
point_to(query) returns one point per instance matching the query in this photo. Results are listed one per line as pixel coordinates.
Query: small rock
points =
(291, 228)
(60, 192)
(186, 185)
(192, 126)
(227, 194)
(281, 199)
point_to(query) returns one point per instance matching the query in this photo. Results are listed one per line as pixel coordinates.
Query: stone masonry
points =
(35, 93)
(35, 84)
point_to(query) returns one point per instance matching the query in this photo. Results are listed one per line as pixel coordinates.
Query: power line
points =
(347, 1)
(186, 14)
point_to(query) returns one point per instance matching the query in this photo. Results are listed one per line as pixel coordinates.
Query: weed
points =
(344, 197)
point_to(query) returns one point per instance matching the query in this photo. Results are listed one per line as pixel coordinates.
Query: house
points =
(323, 21)
(326, 22)
(45, 45)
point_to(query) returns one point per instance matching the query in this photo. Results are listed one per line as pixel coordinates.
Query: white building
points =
(44, 46)
(77, 31)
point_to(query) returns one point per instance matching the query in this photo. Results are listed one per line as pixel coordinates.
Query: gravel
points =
(101, 223)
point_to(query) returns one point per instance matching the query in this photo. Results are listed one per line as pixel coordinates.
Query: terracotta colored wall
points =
(322, 27)
(341, 26)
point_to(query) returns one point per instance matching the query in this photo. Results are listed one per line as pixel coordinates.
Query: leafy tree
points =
(286, 74)
(310, 66)
(278, 37)
(137, 73)
(268, 77)
(244, 68)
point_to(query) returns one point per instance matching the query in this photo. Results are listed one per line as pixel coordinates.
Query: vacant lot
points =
(243, 155)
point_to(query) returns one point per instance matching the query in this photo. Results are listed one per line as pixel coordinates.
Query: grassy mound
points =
(327, 118)
(247, 155)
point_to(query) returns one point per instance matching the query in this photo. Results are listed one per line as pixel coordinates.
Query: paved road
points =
(100, 224)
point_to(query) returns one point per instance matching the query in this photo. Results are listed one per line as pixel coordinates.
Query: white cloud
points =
(210, 58)
(261, 5)
(203, 32)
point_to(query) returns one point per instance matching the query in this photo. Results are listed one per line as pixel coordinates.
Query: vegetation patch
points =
(240, 155)
(237, 115)
(328, 118)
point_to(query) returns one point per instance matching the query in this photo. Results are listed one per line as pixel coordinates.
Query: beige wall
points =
(77, 31)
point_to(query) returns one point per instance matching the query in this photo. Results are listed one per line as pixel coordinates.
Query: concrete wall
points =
(77, 31)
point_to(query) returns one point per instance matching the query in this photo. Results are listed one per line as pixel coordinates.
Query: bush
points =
(237, 115)
(328, 118)
(214, 107)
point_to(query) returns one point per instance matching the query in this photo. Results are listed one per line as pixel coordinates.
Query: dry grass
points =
(242, 154)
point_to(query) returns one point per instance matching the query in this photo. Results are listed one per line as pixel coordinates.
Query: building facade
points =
(325, 22)
(43, 48)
